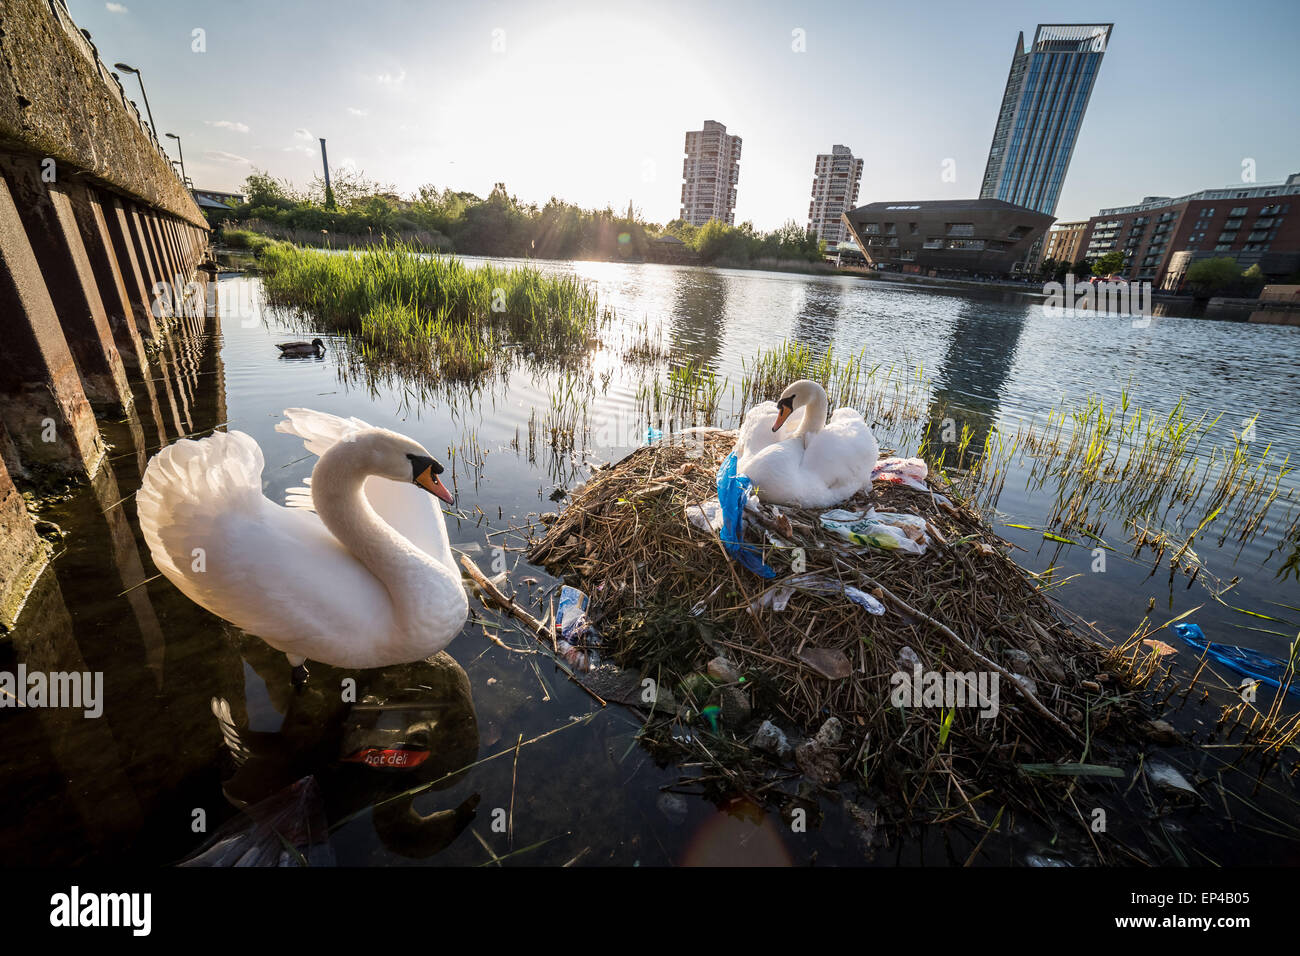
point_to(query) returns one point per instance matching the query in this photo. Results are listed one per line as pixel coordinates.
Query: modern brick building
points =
(1064, 241)
(836, 177)
(711, 171)
(1162, 236)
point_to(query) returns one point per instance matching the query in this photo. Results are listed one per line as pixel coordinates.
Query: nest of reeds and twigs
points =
(670, 604)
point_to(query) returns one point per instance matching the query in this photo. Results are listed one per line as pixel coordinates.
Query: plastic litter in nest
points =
(816, 616)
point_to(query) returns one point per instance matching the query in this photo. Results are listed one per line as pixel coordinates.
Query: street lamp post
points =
(130, 69)
(184, 178)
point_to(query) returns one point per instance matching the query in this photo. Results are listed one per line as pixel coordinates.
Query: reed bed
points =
(430, 312)
(667, 601)
(1168, 478)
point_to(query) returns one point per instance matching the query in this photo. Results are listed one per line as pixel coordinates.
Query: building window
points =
(1239, 211)
(960, 228)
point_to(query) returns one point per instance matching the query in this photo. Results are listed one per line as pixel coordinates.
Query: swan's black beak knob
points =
(785, 406)
(425, 472)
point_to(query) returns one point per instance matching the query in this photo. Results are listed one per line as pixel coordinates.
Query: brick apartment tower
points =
(711, 170)
(836, 177)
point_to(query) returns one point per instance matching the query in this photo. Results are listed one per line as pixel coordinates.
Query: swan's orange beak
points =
(785, 406)
(432, 484)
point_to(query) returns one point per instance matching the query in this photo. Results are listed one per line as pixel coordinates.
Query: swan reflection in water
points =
(410, 724)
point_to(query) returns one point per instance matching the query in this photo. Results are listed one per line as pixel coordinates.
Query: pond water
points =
(130, 786)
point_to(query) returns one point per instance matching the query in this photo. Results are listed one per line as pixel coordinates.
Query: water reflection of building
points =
(967, 392)
(817, 316)
(695, 328)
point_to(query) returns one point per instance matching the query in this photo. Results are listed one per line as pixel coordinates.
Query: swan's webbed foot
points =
(299, 677)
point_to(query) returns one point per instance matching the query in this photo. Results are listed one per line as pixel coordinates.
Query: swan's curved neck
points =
(417, 584)
(814, 415)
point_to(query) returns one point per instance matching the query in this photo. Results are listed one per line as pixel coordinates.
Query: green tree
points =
(1112, 262)
(263, 189)
(1212, 275)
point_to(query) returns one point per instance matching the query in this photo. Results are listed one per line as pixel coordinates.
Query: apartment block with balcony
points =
(710, 174)
(1064, 242)
(1161, 237)
(836, 178)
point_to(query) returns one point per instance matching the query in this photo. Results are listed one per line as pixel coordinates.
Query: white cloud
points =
(217, 156)
(227, 124)
(299, 148)
(356, 112)
(391, 80)
(303, 133)
(115, 8)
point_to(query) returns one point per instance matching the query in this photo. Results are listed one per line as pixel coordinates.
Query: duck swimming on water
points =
(298, 349)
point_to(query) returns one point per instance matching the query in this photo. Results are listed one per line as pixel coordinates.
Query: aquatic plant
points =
(415, 308)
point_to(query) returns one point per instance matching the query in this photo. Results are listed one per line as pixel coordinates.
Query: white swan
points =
(795, 457)
(356, 572)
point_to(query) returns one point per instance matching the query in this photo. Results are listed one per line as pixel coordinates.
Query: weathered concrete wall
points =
(25, 553)
(103, 307)
(59, 101)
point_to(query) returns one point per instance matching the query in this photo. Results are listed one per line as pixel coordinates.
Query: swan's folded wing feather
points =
(405, 507)
(843, 454)
(274, 572)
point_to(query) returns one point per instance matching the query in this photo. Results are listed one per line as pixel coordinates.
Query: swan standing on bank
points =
(795, 457)
(356, 572)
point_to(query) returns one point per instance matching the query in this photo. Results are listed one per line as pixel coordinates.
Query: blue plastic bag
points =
(1265, 669)
(733, 492)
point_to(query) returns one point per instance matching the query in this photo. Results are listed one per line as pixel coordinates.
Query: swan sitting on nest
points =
(356, 572)
(794, 456)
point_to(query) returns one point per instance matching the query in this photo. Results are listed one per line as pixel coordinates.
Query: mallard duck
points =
(795, 457)
(299, 349)
(355, 572)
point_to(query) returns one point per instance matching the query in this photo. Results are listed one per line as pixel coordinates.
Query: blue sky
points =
(590, 101)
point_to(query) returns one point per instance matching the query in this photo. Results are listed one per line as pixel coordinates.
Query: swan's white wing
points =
(843, 454)
(319, 431)
(410, 510)
(778, 474)
(756, 431)
(274, 572)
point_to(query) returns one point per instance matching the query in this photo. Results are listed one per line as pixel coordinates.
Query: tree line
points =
(497, 225)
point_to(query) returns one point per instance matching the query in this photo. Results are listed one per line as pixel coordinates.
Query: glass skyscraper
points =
(1042, 108)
